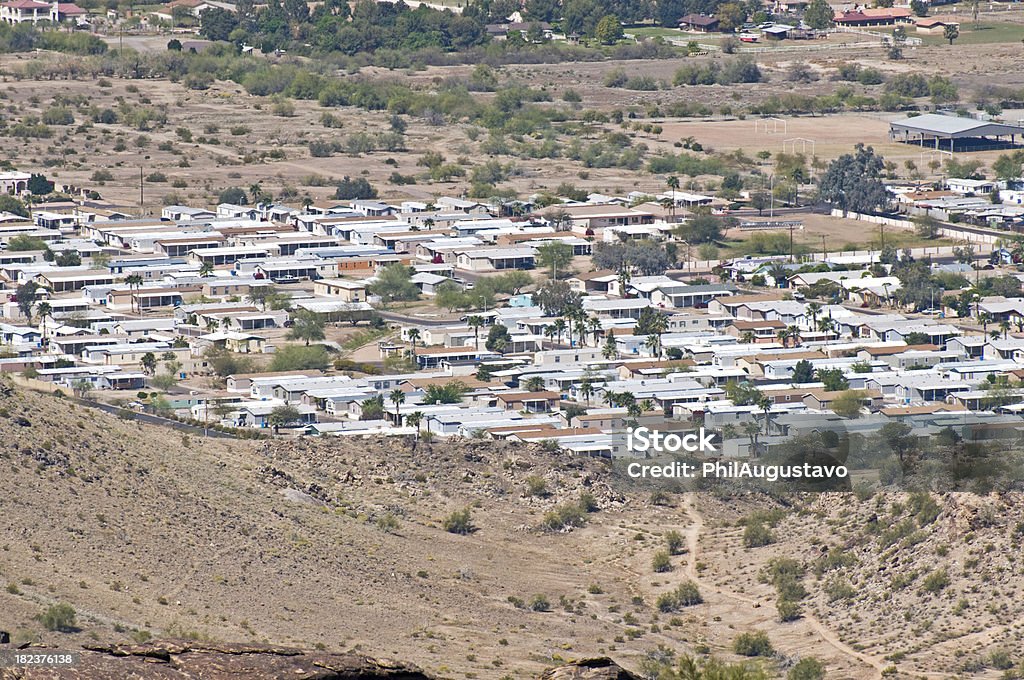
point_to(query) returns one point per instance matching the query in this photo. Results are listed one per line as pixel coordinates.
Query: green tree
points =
(13, 205)
(498, 338)
(608, 30)
(394, 283)
(397, 398)
(300, 357)
(306, 326)
(700, 229)
(730, 16)
(555, 254)
(23, 242)
(848, 404)
(951, 32)
(476, 322)
(819, 15)
(217, 23)
(449, 393)
(853, 182)
(282, 416)
(148, 362)
(803, 372)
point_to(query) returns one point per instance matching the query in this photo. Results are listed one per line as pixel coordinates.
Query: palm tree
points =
(794, 333)
(475, 322)
(134, 282)
(397, 398)
(673, 185)
(586, 390)
(652, 344)
(594, 326)
(413, 420)
(783, 337)
(764, 402)
(611, 348)
(826, 325)
(548, 331)
(205, 269)
(779, 274)
(1004, 326)
(43, 310)
(624, 278)
(534, 384)
(414, 336)
(647, 405)
(559, 327)
(814, 309)
(747, 337)
(984, 319)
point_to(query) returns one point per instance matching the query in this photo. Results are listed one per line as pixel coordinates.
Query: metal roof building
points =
(952, 133)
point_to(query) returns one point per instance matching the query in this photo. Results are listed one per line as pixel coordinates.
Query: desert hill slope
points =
(340, 545)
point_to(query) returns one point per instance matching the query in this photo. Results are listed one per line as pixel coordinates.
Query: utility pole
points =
(791, 243)
(142, 194)
(824, 253)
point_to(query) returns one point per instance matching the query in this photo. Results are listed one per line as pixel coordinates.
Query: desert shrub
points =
(59, 617)
(757, 535)
(685, 595)
(564, 516)
(789, 610)
(540, 603)
(661, 562)
(536, 486)
(753, 644)
(674, 542)
(935, 581)
(839, 588)
(807, 668)
(459, 522)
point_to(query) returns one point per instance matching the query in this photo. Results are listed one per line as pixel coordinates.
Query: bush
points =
(757, 535)
(789, 610)
(807, 668)
(536, 486)
(685, 595)
(935, 581)
(59, 617)
(300, 357)
(753, 644)
(662, 562)
(674, 542)
(459, 522)
(540, 603)
(564, 516)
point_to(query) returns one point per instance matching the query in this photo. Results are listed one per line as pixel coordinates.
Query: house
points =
(762, 331)
(12, 182)
(22, 11)
(346, 289)
(502, 31)
(495, 259)
(701, 23)
(61, 12)
(821, 400)
(874, 16)
(530, 402)
(934, 25)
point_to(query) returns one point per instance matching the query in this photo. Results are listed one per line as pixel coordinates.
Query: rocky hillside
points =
(332, 544)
